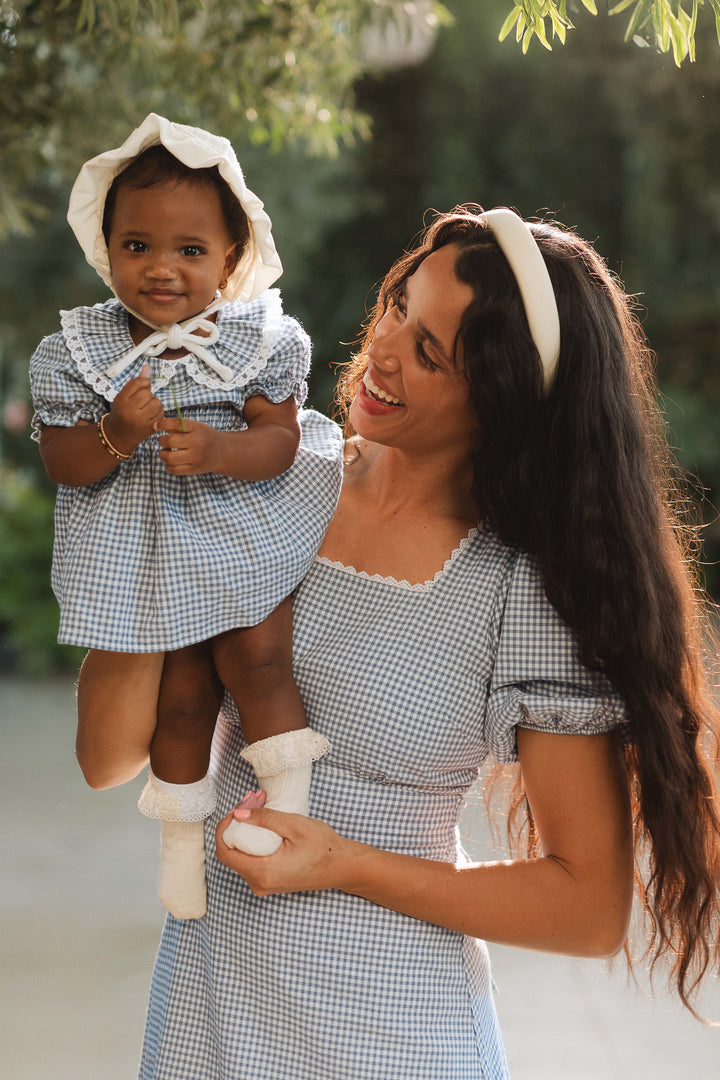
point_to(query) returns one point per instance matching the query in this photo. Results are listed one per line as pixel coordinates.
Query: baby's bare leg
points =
(179, 790)
(254, 664)
(190, 698)
(117, 697)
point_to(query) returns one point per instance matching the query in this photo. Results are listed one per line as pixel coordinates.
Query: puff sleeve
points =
(286, 372)
(60, 395)
(537, 680)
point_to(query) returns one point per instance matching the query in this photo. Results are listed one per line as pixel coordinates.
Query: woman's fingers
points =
(304, 861)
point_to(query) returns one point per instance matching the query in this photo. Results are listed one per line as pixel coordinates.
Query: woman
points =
(501, 578)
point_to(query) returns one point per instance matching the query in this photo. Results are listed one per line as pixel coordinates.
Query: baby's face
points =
(169, 250)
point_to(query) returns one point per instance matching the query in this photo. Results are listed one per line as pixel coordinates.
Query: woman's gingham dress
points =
(145, 561)
(414, 686)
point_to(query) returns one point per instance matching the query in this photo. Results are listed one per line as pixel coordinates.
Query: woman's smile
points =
(376, 392)
(412, 395)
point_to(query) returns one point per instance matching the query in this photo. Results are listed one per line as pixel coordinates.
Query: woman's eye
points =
(425, 358)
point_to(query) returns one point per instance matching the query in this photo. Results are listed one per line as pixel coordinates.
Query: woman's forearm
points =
(575, 899)
(535, 903)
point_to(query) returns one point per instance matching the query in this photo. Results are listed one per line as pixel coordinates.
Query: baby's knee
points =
(104, 769)
(258, 649)
(183, 710)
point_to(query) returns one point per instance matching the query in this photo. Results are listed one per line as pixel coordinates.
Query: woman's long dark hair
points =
(582, 477)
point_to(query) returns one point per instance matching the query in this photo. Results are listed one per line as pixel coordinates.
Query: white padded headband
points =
(519, 247)
(258, 267)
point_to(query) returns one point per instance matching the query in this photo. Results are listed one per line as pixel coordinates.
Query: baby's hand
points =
(191, 452)
(135, 411)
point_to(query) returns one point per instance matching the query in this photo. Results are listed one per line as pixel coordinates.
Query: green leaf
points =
(539, 30)
(558, 25)
(679, 37)
(638, 17)
(622, 6)
(590, 5)
(716, 8)
(509, 23)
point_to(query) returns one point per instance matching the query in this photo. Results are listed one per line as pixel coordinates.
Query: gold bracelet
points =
(106, 442)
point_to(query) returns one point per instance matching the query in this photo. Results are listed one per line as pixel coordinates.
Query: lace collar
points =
(420, 586)
(248, 333)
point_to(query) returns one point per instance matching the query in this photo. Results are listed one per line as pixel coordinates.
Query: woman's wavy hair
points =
(581, 476)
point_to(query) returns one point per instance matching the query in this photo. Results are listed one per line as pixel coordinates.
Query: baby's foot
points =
(248, 838)
(181, 880)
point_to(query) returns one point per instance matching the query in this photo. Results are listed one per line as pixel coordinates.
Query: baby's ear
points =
(231, 261)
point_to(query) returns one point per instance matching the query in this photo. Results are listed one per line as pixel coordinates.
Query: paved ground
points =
(80, 926)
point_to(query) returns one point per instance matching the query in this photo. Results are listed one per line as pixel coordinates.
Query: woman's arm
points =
(266, 449)
(574, 899)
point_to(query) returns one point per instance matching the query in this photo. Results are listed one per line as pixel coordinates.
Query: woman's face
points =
(412, 397)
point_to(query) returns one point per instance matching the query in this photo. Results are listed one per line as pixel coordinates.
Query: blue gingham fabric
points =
(414, 687)
(145, 561)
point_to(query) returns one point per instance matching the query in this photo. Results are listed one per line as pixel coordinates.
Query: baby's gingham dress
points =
(414, 686)
(145, 561)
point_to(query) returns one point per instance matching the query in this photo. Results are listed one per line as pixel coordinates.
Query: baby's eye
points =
(191, 250)
(137, 247)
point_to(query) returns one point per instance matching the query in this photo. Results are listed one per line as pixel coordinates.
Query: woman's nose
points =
(385, 344)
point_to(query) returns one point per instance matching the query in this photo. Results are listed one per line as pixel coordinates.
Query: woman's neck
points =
(396, 483)
(398, 517)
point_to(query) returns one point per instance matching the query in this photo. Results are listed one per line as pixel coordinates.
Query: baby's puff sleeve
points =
(286, 372)
(60, 396)
(538, 681)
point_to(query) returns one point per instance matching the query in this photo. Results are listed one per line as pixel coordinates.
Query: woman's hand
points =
(309, 858)
(193, 451)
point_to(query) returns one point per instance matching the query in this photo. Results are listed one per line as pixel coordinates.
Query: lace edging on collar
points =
(403, 583)
(109, 388)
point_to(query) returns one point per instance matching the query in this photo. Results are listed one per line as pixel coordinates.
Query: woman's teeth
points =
(375, 392)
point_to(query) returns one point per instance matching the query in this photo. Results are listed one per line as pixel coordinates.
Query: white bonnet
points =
(259, 265)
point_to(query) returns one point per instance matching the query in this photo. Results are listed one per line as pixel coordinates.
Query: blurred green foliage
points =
(613, 140)
(28, 612)
(78, 74)
(665, 24)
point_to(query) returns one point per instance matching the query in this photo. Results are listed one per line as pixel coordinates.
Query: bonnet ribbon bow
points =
(182, 335)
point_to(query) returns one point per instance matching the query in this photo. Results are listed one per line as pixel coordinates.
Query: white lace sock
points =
(182, 809)
(283, 766)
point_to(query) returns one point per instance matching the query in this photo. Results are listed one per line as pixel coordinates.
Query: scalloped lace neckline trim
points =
(420, 586)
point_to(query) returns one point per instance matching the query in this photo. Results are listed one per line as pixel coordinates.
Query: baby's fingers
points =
(172, 424)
